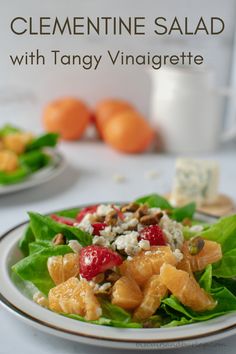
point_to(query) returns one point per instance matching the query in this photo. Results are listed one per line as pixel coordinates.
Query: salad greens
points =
(217, 279)
(33, 159)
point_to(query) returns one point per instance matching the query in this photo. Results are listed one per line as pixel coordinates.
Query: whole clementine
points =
(67, 116)
(108, 108)
(128, 132)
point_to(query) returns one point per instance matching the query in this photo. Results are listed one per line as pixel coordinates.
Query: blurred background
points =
(29, 87)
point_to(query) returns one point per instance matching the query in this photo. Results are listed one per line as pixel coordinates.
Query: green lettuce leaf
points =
(34, 267)
(106, 321)
(46, 140)
(37, 246)
(70, 213)
(26, 239)
(14, 177)
(35, 160)
(9, 129)
(223, 232)
(205, 280)
(45, 228)
(114, 312)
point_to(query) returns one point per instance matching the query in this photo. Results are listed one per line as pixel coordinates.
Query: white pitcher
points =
(187, 110)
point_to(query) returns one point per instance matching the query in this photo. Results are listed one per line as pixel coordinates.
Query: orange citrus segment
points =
(64, 267)
(210, 253)
(126, 293)
(186, 289)
(17, 142)
(8, 161)
(147, 263)
(153, 292)
(75, 297)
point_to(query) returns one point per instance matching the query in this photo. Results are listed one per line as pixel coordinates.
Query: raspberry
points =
(96, 259)
(154, 235)
(63, 220)
(97, 227)
(89, 210)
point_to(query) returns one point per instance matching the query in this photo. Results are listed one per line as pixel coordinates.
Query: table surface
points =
(89, 178)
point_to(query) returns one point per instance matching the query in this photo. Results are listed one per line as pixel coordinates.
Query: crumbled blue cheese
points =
(128, 243)
(101, 241)
(104, 210)
(75, 246)
(144, 245)
(195, 181)
(173, 232)
(86, 223)
(178, 255)
(196, 228)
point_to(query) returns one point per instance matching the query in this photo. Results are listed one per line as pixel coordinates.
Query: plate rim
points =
(226, 331)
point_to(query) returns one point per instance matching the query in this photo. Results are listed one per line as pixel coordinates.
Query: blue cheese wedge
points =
(195, 181)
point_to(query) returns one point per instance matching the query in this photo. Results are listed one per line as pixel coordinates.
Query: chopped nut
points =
(131, 207)
(152, 219)
(59, 239)
(187, 222)
(196, 244)
(111, 218)
(111, 276)
(141, 211)
(99, 278)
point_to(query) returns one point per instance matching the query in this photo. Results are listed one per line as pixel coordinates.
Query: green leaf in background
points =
(35, 160)
(14, 177)
(27, 238)
(46, 140)
(9, 129)
(70, 213)
(45, 228)
(154, 201)
(105, 321)
(230, 284)
(205, 281)
(157, 201)
(187, 211)
(34, 267)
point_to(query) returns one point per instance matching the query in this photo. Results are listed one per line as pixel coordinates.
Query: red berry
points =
(89, 210)
(97, 227)
(154, 235)
(63, 220)
(96, 259)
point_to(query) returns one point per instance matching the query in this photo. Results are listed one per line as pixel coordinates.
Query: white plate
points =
(24, 308)
(47, 173)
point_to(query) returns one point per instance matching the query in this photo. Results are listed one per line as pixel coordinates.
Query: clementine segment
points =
(75, 297)
(67, 116)
(210, 253)
(8, 161)
(142, 266)
(126, 293)
(128, 132)
(153, 293)
(186, 289)
(64, 267)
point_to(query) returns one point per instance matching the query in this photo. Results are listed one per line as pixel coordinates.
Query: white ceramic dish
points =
(13, 298)
(47, 173)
